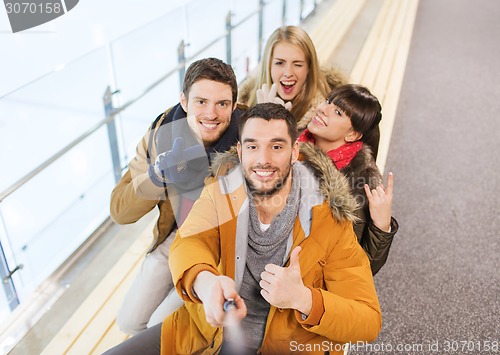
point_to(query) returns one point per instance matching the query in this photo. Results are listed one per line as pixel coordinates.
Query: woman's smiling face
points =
(331, 126)
(289, 69)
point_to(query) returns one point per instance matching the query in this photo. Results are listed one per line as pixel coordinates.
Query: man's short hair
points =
(211, 69)
(270, 111)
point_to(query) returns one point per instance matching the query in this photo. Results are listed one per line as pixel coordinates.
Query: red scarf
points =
(340, 156)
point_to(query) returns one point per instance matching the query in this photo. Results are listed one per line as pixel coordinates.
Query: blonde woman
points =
(290, 62)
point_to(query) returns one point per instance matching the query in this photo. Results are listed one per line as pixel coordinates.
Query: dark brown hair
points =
(362, 107)
(270, 111)
(212, 69)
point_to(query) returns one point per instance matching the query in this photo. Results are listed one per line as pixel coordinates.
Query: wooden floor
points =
(92, 328)
(379, 65)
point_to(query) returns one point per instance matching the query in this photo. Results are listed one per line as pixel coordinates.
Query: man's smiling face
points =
(266, 153)
(209, 108)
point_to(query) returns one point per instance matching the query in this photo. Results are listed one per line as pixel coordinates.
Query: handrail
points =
(20, 182)
(164, 77)
(52, 159)
(244, 19)
(15, 186)
(180, 66)
(73, 60)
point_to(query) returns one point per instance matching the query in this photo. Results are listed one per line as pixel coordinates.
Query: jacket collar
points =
(330, 183)
(232, 183)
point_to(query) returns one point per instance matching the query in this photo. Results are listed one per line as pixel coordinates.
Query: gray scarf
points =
(269, 246)
(265, 247)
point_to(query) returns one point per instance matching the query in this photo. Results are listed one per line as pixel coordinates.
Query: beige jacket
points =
(135, 195)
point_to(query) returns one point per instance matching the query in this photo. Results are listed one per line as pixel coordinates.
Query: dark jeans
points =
(146, 342)
(233, 349)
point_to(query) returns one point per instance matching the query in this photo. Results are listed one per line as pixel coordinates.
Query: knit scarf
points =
(266, 242)
(340, 156)
(265, 247)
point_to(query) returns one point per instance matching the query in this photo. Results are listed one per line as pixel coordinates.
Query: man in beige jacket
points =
(167, 172)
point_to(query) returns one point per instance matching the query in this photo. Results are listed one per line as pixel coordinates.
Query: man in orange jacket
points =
(263, 234)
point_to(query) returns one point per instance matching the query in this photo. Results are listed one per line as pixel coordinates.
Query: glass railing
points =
(62, 150)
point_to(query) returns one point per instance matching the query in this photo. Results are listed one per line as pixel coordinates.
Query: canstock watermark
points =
(25, 14)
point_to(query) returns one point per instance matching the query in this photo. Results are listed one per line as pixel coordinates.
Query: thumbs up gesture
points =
(282, 287)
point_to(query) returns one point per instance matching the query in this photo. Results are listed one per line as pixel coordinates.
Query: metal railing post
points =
(6, 274)
(229, 28)
(283, 14)
(261, 27)
(301, 16)
(107, 100)
(181, 58)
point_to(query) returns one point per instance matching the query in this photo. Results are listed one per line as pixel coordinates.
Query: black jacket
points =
(362, 169)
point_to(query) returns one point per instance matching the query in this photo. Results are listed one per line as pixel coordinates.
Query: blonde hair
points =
(315, 81)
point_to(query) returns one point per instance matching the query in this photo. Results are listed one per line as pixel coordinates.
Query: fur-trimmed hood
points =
(333, 185)
(223, 162)
(245, 89)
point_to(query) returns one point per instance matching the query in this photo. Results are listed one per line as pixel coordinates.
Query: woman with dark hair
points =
(345, 130)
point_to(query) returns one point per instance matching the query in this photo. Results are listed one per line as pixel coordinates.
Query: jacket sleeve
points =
(351, 307)
(135, 195)
(375, 242)
(196, 246)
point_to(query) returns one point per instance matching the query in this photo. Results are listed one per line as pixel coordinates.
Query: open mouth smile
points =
(264, 174)
(288, 86)
(209, 126)
(319, 121)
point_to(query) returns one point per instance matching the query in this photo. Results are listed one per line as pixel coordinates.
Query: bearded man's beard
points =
(263, 193)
